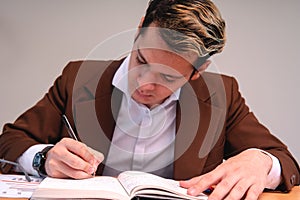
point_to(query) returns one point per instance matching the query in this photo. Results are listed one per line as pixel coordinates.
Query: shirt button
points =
(293, 179)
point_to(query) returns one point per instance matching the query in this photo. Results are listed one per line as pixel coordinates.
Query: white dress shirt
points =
(143, 138)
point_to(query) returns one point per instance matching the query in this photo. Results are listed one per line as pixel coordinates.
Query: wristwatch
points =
(39, 160)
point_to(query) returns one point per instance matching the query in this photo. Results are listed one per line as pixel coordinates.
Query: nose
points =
(146, 80)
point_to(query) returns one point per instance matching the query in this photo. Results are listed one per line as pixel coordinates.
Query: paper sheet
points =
(16, 186)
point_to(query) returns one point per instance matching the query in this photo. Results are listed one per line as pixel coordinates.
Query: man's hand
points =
(243, 175)
(70, 158)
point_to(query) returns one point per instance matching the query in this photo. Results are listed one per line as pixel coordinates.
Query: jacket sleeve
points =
(41, 124)
(244, 131)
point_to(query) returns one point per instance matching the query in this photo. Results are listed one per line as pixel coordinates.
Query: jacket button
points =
(293, 179)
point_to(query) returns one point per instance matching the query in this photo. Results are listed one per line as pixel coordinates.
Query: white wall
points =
(263, 53)
(38, 38)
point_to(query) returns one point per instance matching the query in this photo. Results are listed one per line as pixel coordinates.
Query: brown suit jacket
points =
(213, 122)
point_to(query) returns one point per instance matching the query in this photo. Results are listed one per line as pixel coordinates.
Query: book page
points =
(134, 181)
(162, 194)
(96, 187)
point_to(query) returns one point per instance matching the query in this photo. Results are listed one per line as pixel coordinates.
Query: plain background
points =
(38, 38)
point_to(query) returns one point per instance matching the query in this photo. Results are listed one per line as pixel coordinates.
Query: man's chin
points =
(140, 100)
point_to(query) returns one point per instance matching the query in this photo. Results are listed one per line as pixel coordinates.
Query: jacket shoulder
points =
(214, 87)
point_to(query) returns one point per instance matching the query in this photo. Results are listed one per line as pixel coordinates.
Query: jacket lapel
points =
(199, 125)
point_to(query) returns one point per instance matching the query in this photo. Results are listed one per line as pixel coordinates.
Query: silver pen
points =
(69, 127)
(71, 132)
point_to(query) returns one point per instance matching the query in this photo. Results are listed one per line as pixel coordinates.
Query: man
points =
(158, 111)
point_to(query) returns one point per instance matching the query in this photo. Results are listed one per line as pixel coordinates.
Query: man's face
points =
(155, 72)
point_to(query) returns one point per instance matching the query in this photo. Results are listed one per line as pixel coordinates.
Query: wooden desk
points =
(293, 195)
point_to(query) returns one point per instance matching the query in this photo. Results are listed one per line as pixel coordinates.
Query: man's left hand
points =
(244, 175)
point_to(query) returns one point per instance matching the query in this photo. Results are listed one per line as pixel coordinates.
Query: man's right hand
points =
(71, 158)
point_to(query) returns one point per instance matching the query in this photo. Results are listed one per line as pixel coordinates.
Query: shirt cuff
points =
(274, 176)
(26, 159)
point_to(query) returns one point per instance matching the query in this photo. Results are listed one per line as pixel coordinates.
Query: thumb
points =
(97, 155)
(189, 183)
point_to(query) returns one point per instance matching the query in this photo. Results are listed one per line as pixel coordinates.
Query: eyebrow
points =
(145, 61)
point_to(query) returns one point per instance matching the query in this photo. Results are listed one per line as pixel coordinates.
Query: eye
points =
(139, 60)
(168, 78)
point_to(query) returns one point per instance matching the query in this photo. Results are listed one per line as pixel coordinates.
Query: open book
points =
(126, 186)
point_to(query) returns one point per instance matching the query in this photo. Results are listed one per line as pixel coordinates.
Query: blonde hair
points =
(199, 23)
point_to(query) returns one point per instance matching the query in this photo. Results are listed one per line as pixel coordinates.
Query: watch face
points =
(37, 161)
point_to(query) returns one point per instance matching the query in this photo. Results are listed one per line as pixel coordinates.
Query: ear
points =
(201, 69)
(141, 22)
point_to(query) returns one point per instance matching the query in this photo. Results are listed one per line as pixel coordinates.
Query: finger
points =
(80, 149)
(254, 192)
(77, 163)
(204, 182)
(224, 187)
(57, 169)
(239, 190)
(190, 182)
(56, 174)
(97, 155)
(61, 153)
(71, 172)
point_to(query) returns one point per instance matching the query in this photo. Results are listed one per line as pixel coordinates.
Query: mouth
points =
(142, 94)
